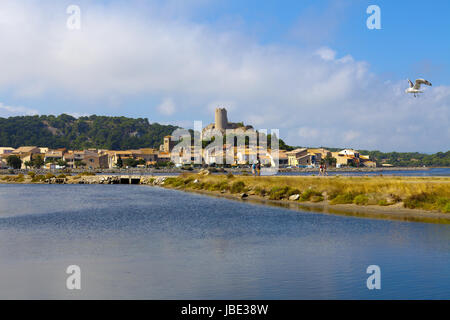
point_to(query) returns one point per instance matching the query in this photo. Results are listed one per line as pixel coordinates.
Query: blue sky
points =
(309, 68)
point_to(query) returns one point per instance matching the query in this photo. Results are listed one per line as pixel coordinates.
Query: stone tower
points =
(221, 120)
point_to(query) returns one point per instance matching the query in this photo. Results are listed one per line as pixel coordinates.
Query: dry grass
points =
(429, 193)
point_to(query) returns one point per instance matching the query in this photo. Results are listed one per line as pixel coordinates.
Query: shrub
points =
(446, 208)
(38, 178)
(230, 175)
(61, 176)
(237, 187)
(343, 198)
(361, 200)
(307, 194)
(316, 198)
(277, 193)
(260, 191)
(422, 200)
(443, 204)
(49, 175)
(31, 174)
(219, 186)
(383, 202)
(86, 174)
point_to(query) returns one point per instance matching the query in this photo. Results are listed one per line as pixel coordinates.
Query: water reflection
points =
(143, 242)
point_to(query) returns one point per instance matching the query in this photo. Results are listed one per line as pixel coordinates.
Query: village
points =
(27, 157)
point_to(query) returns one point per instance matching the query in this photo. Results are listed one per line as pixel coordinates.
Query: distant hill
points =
(115, 133)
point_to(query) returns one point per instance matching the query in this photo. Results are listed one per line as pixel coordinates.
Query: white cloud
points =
(167, 107)
(6, 111)
(326, 54)
(120, 54)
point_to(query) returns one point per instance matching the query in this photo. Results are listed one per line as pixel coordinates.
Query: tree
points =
(28, 164)
(130, 162)
(330, 160)
(79, 163)
(61, 163)
(14, 162)
(119, 162)
(38, 162)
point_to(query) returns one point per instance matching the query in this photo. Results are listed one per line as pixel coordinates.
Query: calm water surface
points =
(150, 243)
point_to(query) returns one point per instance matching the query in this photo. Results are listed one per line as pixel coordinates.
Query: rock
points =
(196, 181)
(244, 195)
(294, 197)
(204, 172)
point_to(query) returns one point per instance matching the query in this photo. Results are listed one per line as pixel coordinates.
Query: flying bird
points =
(415, 88)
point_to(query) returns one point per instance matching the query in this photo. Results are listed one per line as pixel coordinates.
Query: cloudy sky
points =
(311, 69)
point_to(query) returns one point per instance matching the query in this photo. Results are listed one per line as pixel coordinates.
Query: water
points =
(142, 242)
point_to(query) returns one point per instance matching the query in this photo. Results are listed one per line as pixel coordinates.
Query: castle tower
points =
(221, 120)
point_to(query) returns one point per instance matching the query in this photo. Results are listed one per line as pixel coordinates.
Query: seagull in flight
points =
(415, 88)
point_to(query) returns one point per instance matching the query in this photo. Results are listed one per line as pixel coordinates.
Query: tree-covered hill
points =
(115, 133)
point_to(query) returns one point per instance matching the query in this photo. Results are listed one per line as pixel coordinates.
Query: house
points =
(294, 154)
(282, 158)
(26, 154)
(6, 150)
(24, 150)
(302, 157)
(321, 153)
(53, 155)
(94, 160)
(369, 164)
(346, 157)
(91, 159)
(163, 157)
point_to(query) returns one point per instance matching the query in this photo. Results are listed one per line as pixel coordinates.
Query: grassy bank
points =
(428, 193)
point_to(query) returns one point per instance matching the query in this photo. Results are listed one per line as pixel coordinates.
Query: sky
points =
(310, 68)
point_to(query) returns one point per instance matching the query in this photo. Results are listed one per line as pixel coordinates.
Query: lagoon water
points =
(142, 242)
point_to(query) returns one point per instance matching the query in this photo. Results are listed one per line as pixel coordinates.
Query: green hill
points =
(115, 133)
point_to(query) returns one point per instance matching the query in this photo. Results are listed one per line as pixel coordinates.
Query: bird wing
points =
(420, 82)
(410, 83)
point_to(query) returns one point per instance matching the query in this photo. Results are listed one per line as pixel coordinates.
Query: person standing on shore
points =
(325, 173)
(320, 170)
(254, 169)
(258, 168)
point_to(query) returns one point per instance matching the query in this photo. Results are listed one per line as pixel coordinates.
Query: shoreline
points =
(194, 183)
(395, 213)
(395, 210)
(162, 171)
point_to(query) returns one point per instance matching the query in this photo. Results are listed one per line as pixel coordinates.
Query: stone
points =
(294, 197)
(244, 195)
